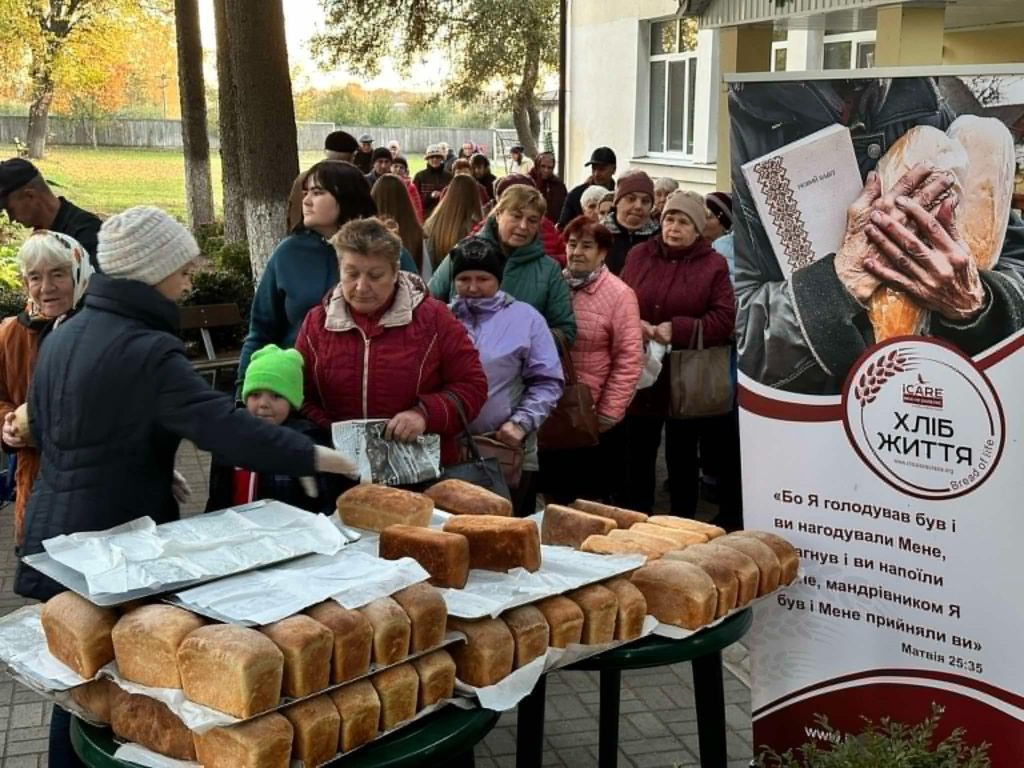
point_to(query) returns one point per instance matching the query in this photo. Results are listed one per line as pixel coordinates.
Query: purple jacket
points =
(518, 353)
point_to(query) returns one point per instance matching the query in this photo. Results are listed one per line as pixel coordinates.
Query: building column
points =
(805, 49)
(741, 49)
(707, 96)
(908, 36)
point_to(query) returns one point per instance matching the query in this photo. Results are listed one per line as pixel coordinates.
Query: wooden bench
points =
(204, 318)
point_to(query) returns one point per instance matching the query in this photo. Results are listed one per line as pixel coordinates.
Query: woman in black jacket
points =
(113, 395)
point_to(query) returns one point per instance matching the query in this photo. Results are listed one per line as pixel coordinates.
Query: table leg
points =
(710, 695)
(466, 760)
(608, 733)
(530, 726)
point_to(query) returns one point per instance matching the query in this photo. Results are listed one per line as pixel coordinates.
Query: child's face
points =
(268, 405)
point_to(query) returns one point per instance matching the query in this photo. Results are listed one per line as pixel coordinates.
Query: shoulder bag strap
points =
(566, 357)
(470, 442)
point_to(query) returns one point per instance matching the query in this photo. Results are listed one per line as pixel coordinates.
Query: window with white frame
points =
(852, 50)
(672, 86)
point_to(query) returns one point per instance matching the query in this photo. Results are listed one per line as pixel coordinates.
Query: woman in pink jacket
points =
(607, 356)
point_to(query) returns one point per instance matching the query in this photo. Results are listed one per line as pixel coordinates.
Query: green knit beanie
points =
(275, 370)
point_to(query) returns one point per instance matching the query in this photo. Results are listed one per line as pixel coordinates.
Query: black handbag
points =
(484, 472)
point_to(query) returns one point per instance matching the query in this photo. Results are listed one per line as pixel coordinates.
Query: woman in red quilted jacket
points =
(378, 347)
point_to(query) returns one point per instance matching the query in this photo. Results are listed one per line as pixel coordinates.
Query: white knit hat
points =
(145, 244)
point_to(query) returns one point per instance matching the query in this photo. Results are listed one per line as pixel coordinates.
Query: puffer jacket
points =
(608, 353)
(111, 398)
(681, 286)
(373, 368)
(626, 240)
(529, 276)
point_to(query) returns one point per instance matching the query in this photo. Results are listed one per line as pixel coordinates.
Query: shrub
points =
(886, 743)
(12, 301)
(218, 286)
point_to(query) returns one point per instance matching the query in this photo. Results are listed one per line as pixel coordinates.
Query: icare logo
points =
(897, 419)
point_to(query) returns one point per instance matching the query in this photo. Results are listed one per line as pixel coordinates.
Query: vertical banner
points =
(880, 282)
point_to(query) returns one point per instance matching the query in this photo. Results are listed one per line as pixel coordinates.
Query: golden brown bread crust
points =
(398, 689)
(78, 633)
(487, 655)
(632, 608)
(748, 576)
(530, 631)
(498, 543)
(568, 527)
(686, 524)
(359, 707)
(623, 518)
(94, 698)
(149, 722)
(428, 614)
(437, 677)
(232, 669)
(600, 608)
(789, 560)
(392, 630)
(677, 593)
(445, 556)
(767, 561)
(307, 646)
(353, 639)
(564, 618)
(678, 537)
(375, 507)
(461, 498)
(265, 742)
(317, 728)
(146, 643)
(606, 545)
(655, 545)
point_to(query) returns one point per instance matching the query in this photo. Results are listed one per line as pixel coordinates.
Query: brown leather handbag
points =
(701, 379)
(573, 424)
(510, 459)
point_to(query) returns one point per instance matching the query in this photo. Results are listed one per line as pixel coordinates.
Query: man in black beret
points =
(381, 164)
(363, 157)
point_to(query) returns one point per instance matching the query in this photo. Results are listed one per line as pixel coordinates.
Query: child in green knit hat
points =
(272, 390)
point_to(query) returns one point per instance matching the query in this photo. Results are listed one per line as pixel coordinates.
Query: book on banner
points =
(802, 191)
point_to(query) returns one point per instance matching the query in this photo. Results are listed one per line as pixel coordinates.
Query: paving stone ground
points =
(657, 725)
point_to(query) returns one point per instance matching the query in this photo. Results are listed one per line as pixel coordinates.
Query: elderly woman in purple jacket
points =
(518, 353)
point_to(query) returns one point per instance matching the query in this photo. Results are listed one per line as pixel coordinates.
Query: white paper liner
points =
(270, 594)
(143, 555)
(23, 648)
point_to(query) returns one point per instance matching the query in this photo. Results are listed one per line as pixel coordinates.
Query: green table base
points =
(445, 735)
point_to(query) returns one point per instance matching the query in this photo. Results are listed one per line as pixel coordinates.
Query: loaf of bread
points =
(632, 608)
(789, 560)
(428, 614)
(747, 574)
(600, 608)
(656, 545)
(686, 524)
(677, 593)
(146, 643)
(437, 677)
(375, 507)
(606, 545)
(316, 725)
(498, 543)
(359, 707)
(232, 669)
(392, 630)
(445, 556)
(725, 582)
(461, 498)
(94, 699)
(767, 561)
(78, 633)
(265, 742)
(398, 689)
(307, 646)
(530, 632)
(146, 721)
(623, 517)
(568, 527)
(487, 655)
(564, 618)
(353, 639)
(678, 537)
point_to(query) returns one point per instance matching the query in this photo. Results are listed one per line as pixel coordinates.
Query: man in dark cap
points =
(28, 200)
(602, 166)
(339, 147)
(381, 164)
(363, 158)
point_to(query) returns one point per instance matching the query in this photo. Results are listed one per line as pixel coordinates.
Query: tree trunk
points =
(198, 185)
(230, 156)
(266, 126)
(39, 112)
(521, 120)
(524, 107)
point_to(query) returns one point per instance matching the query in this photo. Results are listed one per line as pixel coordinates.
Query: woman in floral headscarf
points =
(55, 270)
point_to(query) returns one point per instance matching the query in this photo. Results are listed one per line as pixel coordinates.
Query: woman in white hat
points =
(432, 179)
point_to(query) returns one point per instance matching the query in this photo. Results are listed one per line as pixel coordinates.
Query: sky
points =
(302, 20)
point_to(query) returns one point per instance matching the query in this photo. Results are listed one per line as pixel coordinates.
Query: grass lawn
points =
(110, 179)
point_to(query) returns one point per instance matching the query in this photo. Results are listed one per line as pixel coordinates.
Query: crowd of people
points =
(453, 298)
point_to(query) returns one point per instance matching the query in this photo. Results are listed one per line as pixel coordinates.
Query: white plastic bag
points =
(653, 355)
